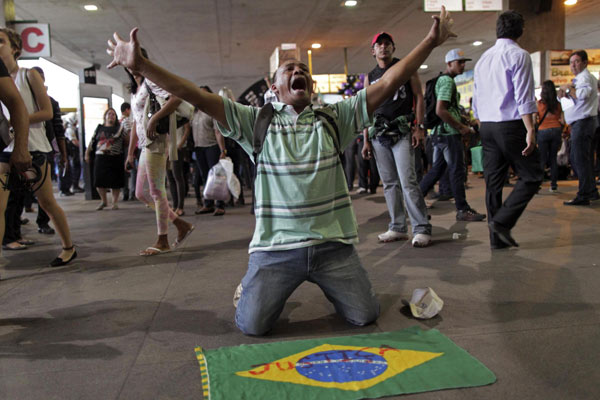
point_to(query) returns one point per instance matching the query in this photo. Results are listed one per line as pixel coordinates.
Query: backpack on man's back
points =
(431, 118)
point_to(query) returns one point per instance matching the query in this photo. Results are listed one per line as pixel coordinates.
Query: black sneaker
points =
(469, 215)
(46, 230)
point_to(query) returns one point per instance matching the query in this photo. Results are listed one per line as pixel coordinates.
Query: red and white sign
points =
(36, 39)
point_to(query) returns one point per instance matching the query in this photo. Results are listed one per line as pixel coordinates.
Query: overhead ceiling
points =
(228, 42)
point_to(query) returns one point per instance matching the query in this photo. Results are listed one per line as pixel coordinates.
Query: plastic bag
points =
(216, 184)
(232, 181)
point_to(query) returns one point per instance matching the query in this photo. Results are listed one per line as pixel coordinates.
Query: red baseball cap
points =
(379, 35)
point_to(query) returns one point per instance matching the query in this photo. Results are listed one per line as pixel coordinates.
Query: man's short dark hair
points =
(509, 25)
(581, 53)
(125, 106)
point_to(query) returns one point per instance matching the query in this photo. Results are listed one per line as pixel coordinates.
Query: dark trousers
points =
(549, 141)
(176, 179)
(350, 163)
(12, 217)
(503, 143)
(368, 174)
(582, 135)
(596, 149)
(447, 156)
(206, 158)
(42, 219)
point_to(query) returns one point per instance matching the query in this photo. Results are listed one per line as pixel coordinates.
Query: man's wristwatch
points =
(568, 92)
(421, 126)
(224, 151)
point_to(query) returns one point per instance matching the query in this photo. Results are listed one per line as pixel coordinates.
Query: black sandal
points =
(59, 262)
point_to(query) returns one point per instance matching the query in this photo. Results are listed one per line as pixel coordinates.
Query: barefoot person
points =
(305, 225)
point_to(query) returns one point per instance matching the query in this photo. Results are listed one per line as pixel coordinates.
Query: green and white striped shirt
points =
(301, 193)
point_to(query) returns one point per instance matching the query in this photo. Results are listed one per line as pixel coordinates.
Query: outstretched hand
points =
(125, 53)
(441, 30)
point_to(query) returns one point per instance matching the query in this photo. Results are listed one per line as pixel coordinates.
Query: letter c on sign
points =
(27, 32)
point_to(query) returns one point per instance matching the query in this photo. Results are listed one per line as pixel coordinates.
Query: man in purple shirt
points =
(504, 102)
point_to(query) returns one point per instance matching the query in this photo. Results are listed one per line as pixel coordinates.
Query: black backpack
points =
(431, 118)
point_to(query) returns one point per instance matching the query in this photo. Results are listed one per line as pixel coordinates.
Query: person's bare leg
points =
(103, 197)
(115, 197)
(47, 201)
(183, 227)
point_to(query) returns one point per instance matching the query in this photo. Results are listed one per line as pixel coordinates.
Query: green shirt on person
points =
(444, 89)
(301, 192)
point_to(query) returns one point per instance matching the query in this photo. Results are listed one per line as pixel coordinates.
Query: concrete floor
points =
(118, 326)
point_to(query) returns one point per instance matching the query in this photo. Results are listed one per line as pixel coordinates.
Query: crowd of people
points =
(301, 187)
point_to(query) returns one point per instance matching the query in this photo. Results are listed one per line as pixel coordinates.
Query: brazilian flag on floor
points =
(351, 367)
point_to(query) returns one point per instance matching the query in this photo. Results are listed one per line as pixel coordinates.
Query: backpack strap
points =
(326, 116)
(261, 126)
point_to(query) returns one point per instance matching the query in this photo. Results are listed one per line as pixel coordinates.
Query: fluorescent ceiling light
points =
(477, 43)
(350, 3)
(570, 2)
(90, 7)
(316, 45)
(424, 66)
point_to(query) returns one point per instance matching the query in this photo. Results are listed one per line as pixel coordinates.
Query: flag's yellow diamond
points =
(341, 367)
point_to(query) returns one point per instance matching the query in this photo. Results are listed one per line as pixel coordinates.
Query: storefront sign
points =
(36, 40)
(436, 5)
(483, 5)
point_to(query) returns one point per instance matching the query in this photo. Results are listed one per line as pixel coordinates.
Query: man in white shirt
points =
(582, 117)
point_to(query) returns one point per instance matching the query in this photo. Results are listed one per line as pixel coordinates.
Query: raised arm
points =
(401, 72)
(129, 55)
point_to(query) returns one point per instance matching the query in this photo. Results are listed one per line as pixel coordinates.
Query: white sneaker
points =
(361, 190)
(421, 240)
(392, 236)
(237, 295)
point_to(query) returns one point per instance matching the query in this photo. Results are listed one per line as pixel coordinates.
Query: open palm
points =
(125, 53)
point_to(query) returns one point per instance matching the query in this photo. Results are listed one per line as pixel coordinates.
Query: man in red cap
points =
(393, 140)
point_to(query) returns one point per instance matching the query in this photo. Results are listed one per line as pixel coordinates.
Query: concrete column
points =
(544, 30)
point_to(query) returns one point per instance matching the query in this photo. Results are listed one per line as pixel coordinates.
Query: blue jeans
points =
(549, 141)
(272, 276)
(582, 134)
(448, 153)
(400, 187)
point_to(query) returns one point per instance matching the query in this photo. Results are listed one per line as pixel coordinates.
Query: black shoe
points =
(577, 201)
(503, 234)
(46, 230)
(444, 197)
(59, 262)
(499, 246)
(24, 221)
(595, 197)
(78, 190)
(469, 215)
(65, 194)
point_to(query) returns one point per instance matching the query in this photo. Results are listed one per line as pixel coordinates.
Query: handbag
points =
(162, 126)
